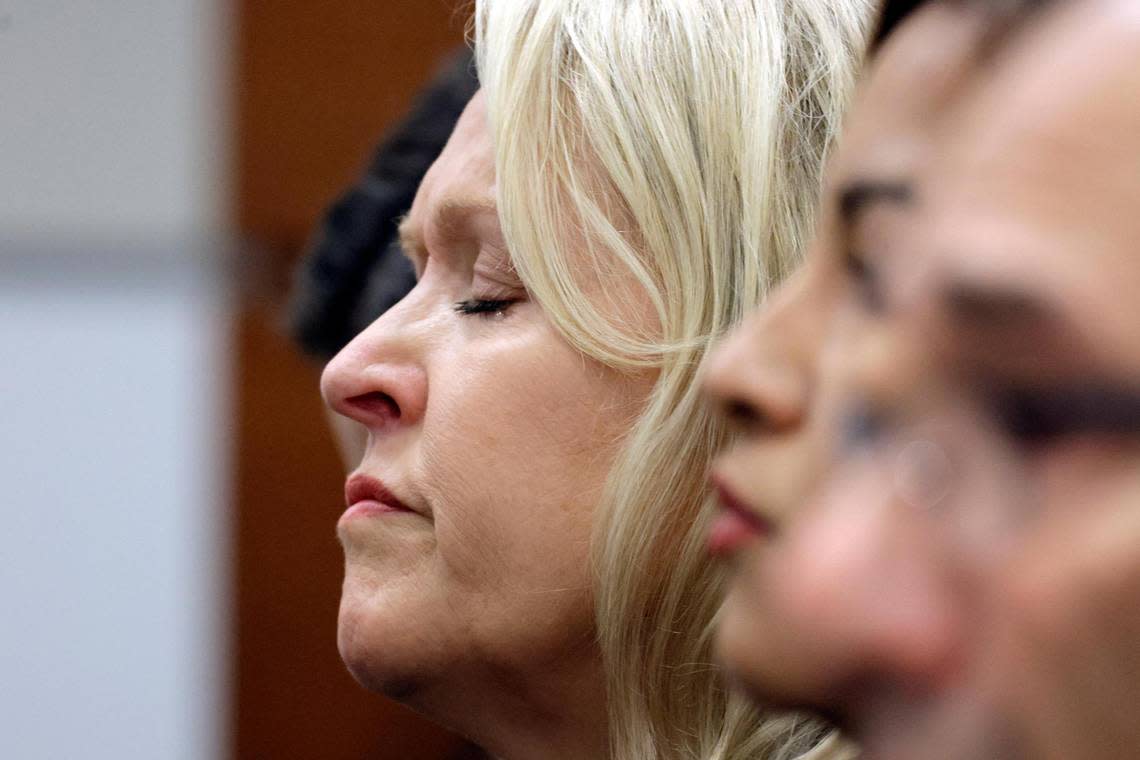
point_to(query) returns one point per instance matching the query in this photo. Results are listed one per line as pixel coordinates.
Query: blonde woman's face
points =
(468, 519)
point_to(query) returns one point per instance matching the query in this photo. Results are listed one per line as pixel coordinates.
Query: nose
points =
(760, 374)
(380, 379)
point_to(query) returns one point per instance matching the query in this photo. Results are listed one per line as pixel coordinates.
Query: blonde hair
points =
(677, 144)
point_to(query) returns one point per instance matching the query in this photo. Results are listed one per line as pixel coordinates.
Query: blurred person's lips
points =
(366, 496)
(737, 523)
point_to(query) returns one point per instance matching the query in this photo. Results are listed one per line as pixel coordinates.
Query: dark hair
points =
(354, 270)
(1008, 14)
(894, 12)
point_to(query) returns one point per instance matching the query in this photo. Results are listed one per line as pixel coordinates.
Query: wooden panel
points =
(316, 86)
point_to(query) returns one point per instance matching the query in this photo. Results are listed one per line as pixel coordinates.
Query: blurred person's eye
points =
(1038, 417)
(867, 280)
(874, 215)
(485, 307)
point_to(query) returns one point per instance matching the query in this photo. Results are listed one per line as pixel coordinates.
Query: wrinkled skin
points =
(476, 607)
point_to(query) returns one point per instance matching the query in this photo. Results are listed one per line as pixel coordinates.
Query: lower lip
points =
(728, 533)
(368, 508)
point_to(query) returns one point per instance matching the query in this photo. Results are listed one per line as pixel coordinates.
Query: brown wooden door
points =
(316, 85)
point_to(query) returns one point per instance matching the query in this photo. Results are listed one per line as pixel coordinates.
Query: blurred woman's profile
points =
(959, 578)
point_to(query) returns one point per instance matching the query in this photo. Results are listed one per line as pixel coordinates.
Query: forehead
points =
(1037, 172)
(1058, 110)
(460, 186)
(907, 88)
(467, 163)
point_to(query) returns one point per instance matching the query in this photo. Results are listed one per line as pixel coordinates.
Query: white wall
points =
(114, 320)
(110, 115)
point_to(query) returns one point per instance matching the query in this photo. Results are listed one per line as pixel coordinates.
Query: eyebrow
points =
(450, 219)
(857, 197)
(1020, 323)
(998, 307)
(1010, 325)
(1090, 406)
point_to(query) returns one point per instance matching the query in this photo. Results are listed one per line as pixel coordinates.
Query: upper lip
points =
(733, 503)
(361, 487)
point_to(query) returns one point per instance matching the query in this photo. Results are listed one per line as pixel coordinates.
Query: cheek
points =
(1082, 474)
(768, 654)
(514, 452)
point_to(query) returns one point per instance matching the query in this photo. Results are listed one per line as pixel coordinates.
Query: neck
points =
(556, 714)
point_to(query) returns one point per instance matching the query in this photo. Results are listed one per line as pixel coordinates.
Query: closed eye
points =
(484, 306)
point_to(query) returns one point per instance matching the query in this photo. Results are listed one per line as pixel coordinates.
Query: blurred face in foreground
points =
(964, 581)
(781, 377)
(1020, 432)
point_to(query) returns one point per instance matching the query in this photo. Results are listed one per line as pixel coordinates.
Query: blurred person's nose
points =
(760, 375)
(380, 378)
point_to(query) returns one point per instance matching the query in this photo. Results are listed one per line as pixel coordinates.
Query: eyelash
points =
(484, 307)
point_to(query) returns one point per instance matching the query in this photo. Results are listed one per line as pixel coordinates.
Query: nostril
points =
(742, 415)
(773, 404)
(375, 406)
(756, 419)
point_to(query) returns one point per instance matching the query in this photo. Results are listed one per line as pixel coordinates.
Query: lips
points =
(363, 492)
(737, 523)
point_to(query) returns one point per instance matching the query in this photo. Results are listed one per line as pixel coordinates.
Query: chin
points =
(739, 622)
(735, 648)
(741, 650)
(378, 643)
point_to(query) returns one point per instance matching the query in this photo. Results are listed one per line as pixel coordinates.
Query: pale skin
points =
(477, 609)
(990, 612)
